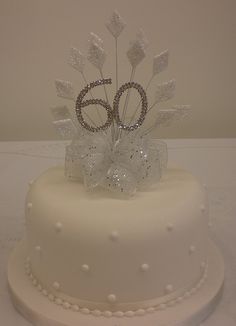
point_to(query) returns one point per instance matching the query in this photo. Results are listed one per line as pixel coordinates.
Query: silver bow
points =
(133, 162)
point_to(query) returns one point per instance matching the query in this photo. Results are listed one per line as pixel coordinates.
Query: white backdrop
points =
(36, 37)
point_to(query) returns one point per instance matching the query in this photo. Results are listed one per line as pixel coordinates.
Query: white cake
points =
(94, 251)
(115, 233)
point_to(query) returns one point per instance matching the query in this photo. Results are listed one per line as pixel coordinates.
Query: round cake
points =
(98, 252)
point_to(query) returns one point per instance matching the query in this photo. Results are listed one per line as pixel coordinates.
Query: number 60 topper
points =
(112, 114)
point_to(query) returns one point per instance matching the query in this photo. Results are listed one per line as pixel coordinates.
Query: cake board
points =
(41, 312)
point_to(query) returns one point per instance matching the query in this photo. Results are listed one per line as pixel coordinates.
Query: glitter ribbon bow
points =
(134, 162)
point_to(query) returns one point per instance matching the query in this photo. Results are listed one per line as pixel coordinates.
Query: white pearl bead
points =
(170, 227)
(114, 236)
(85, 268)
(38, 248)
(111, 298)
(58, 226)
(203, 208)
(56, 285)
(169, 288)
(29, 206)
(145, 267)
(192, 249)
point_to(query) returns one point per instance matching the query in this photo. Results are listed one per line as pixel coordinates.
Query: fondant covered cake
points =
(93, 251)
(116, 232)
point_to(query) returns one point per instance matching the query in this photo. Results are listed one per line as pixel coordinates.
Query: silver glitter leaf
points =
(64, 89)
(96, 55)
(65, 128)
(141, 37)
(60, 112)
(165, 91)
(165, 117)
(116, 24)
(160, 62)
(94, 38)
(181, 111)
(136, 53)
(76, 59)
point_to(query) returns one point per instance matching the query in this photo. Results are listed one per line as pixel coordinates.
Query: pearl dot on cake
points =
(66, 305)
(203, 208)
(30, 182)
(85, 268)
(140, 312)
(114, 236)
(37, 248)
(145, 267)
(169, 288)
(96, 312)
(51, 297)
(170, 227)
(56, 285)
(111, 298)
(58, 226)
(162, 306)
(29, 206)
(58, 301)
(85, 311)
(129, 313)
(192, 249)
(75, 307)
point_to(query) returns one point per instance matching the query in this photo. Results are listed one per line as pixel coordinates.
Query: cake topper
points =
(114, 153)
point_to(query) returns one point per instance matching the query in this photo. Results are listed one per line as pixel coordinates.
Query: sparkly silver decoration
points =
(134, 162)
(160, 62)
(121, 162)
(116, 24)
(87, 158)
(165, 91)
(60, 112)
(144, 104)
(96, 55)
(65, 128)
(141, 37)
(120, 179)
(181, 111)
(143, 157)
(81, 104)
(76, 60)
(64, 89)
(94, 38)
(167, 116)
(136, 53)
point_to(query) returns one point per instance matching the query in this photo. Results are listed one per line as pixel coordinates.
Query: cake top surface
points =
(170, 189)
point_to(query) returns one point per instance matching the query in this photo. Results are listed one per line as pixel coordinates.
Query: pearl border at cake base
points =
(40, 311)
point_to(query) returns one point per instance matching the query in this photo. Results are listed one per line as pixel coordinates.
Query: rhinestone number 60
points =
(112, 114)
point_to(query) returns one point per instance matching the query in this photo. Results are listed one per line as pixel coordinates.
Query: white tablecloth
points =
(212, 161)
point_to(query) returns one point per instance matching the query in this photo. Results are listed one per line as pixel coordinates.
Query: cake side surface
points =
(99, 251)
